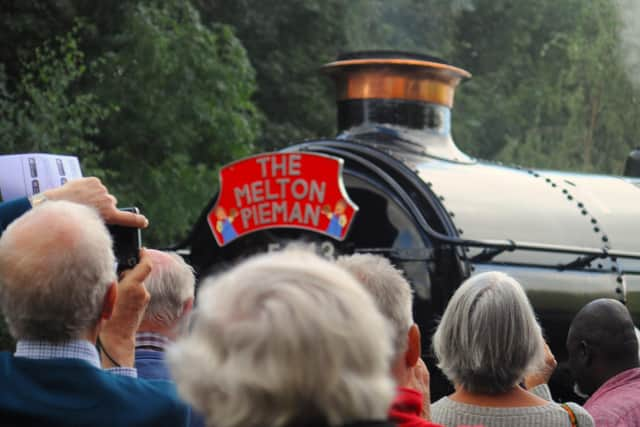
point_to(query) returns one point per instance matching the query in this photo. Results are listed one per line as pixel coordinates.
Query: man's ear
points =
(187, 307)
(586, 353)
(109, 301)
(414, 346)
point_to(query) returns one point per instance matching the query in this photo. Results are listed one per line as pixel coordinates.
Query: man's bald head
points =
(601, 343)
(606, 324)
(56, 265)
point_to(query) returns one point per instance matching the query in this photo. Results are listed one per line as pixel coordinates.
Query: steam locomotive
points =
(393, 182)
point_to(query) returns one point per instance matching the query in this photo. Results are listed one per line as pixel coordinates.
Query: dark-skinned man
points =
(603, 358)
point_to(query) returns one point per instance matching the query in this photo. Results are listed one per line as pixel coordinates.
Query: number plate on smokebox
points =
(282, 190)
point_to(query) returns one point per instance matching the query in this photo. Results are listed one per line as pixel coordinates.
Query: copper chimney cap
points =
(395, 75)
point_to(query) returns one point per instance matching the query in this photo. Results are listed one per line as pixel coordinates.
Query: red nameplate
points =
(281, 190)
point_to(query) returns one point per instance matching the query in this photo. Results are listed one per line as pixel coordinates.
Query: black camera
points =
(126, 243)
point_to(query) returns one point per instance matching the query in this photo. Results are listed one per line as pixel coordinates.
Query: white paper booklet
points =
(23, 175)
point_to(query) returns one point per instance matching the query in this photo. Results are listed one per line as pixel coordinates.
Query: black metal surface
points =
(410, 114)
(632, 165)
(387, 54)
(419, 204)
(394, 173)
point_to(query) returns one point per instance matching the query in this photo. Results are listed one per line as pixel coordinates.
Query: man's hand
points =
(90, 191)
(118, 335)
(542, 375)
(419, 380)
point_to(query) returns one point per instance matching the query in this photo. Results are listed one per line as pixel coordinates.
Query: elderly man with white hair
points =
(171, 286)
(394, 298)
(59, 293)
(286, 340)
(487, 342)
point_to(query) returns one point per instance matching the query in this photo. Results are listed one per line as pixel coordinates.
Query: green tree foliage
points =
(548, 87)
(44, 113)
(287, 42)
(183, 92)
(26, 25)
(423, 26)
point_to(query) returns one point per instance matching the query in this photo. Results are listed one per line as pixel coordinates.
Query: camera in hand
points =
(126, 243)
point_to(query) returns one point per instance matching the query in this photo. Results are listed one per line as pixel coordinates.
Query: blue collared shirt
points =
(76, 349)
(152, 341)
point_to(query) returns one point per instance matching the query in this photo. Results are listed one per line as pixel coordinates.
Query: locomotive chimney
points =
(632, 165)
(397, 97)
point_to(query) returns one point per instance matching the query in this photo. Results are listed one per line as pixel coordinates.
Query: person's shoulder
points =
(5, 357)
(442, 409)
(6, 365)
(150, 399)
(11, 210)
(120, 400)
(583, 417)
(139, 385)
(26, 368)
(442, 402)
(424, 423)
(620, 411)
(151, 365)
(606, 407)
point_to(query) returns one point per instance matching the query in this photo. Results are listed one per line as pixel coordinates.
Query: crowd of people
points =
(282, 339)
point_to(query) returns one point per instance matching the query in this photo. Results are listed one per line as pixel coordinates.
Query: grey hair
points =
(390, 290)
(488, 338)
(170, 284)
(285, 338)
(56, 265)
